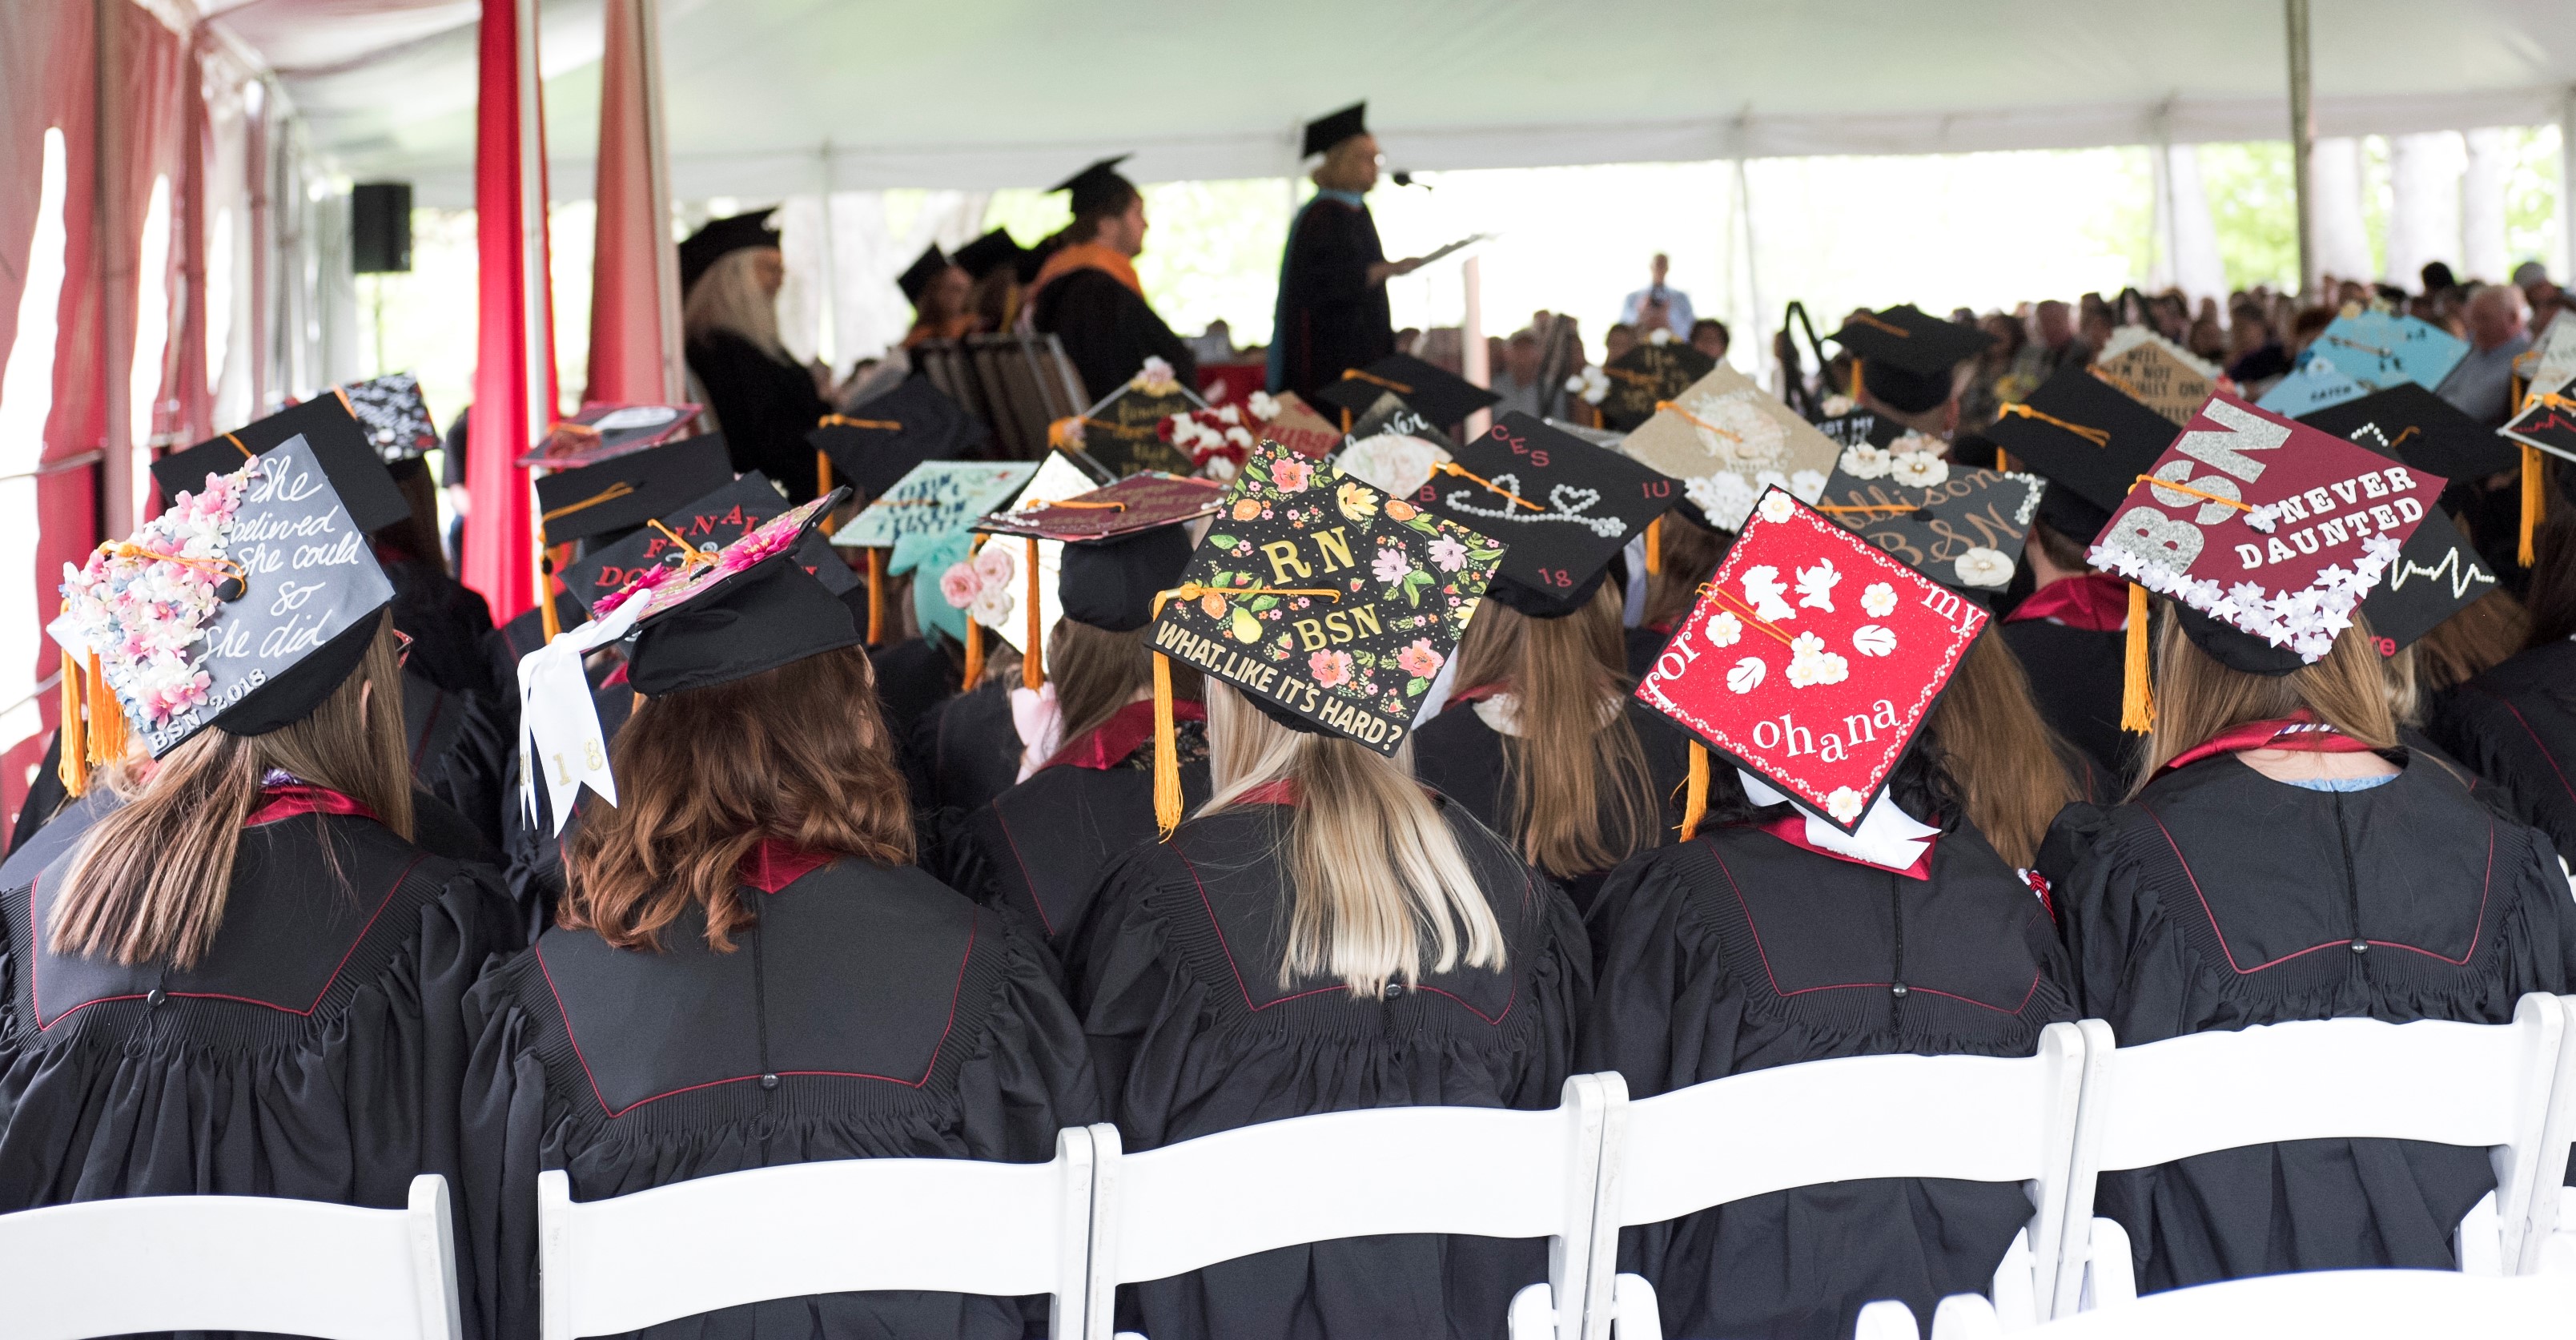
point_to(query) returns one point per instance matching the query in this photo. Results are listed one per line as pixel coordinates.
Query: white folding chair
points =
(231, 1263)
(1974, 1118)
(945, 1225)
(1490, 1172)
(2431, 1080)
(2345, 1304)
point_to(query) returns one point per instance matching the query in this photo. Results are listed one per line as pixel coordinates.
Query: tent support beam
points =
(2567, 183)
(2303, 140)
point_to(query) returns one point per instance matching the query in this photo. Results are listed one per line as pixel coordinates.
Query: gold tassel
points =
(1855, 386)
(974, 654)
(1167, 756)
(106, 719)
(1032, 666)
(2137, 698)
(1655, 547)
(1695, 792)
(2532, 503)
(73, 768)
(546, 617)
(876, 596)
(822, 474)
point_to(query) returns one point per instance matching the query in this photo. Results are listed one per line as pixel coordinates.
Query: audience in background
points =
(1617, 340)
(1516, 375)
(2053, 329)
(2482, 385)
(1709, 335)
(1658, 304)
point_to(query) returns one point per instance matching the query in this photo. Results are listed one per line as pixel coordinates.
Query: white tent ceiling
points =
(989, 93)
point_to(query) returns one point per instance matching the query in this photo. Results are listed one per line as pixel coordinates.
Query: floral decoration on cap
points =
(1727, 440)
(143, 606)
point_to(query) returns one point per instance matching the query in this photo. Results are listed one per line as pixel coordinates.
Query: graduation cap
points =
(1860, 428)
(618, 495)
(1094, 546)
(1961, 526)
(1649, 375)
(393, 415)
(879, 442)
(1016, 591)
(1811, 660)
(1906, 354)
(1392, 448)
(706, 523)
(334, 440)
(2268, 532)
(1135, 503)
(721, 238)
(2309, 387)
(2437, 574)
(1096, 187)
(923, 517)
(2380, 349)
(602, 432)
(2422, 429)
(1727, 439)
(1561, 507)
(1440, 396)
(1110, 584)
(914, 281)
(1129, 429)
(2088, 440)
(2156, 372)
(272, 607)
(988, 253)
(1325, 132)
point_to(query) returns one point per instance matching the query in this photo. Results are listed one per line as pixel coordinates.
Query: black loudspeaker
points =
(380, 227)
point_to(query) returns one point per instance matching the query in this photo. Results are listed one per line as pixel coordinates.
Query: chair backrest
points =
(231, 1263)
(1975, 1118)
(2352, 1304)
(1492, 1172)
(2432, 1080)
(945, 1225)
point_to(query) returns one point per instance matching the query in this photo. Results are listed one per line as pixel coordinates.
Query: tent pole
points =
(2567, 182)
(2303, 140)
(1753, 275)
(827, 344)
(110, 142)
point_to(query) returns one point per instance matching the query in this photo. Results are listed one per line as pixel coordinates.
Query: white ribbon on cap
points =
(558, 720)
(1888, 836)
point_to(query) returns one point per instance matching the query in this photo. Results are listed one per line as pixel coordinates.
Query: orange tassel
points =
(1032, 664)
(547, 619)
(876, 596)
(974, 654)
(1167, 759)
(2533, 503)
(1655, 547)
(106, 718)
(2137, 697)
(822, 474)
(1855, 386)
(1695, 792)
(73, 768)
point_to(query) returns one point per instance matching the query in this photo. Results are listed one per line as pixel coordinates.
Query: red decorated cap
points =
(2265, 524)
(1812, 658)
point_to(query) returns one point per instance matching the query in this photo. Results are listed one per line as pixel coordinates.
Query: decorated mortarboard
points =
(2379, 349)
(626, 491)
(1125, 431)
(1860, 428)
(1561, 507)
(334, 440)
(1647, 377)
(2423, 429)
(2266, 531)
(1906, 354)
(605, 432)
(1599, 437)
(2089, 440)
(1727, 439)
(720, 238)
(706, 525)
(2550, 363)
(2437, 574)
(1441, 396)
(933, 499)
(1294, 424)
(1095, 186)
(1811, 660)
(1393, 448)
(881, 441)
(2547, 421)
(2156, 372)
(2311, 386)
(1961, 526)
(1132, 504)
(1015, 577)
(245, 604)
(394, 416)
(994, 585)
(932, 263)
(1325, 132)
(988, 253)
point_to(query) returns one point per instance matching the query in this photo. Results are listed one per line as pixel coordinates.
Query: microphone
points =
(1405, 178)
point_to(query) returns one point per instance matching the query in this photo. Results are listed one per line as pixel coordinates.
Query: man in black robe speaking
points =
(1332, 312)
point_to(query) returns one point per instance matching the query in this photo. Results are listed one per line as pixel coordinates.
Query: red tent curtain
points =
(514, 375)
(634, 287)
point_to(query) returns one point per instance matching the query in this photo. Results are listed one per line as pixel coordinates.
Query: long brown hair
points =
(1687, 552)
(798, 754)
(2552, 594)
(1576, 790)
(149, 883)
(1096, 672)
(2196, 697)
(2003, 758)
(1373, 869)
(2471, 642)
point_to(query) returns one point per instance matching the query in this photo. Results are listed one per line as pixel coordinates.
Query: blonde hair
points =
(149, 883)
(1373, 869)
(2196, 697)
(1999, 753)
(1577, 794)
(729, 297)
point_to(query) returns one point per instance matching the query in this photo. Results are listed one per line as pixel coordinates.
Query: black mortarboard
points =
(1096, 187)
(720, 238)
(621, 494)
(1958, 525)
(333, 439)
(988, 253)
(277, 535)
(914, 281)
(753, 606)
(2438, 574)
(707, 523)
(1441, 396)
(1649, 376)
(1110, 584)
(2426, 431)
(1907, 353)
(394, 415)
(1860, 428)
(1325, 132)
(1561, 507)
(879, 442)
(2089, 440)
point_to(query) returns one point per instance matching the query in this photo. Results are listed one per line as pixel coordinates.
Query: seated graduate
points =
(245, 979)
(2286, 857)
(936, 287)
(747, 971)
(2516, 723)
(1911, 366)
(1086, 293)
(1037, 849)
(1809, 914)
(1324, 935)
(1539, 740)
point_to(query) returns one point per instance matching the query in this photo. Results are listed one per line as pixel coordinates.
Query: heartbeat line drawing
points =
(2462, 573)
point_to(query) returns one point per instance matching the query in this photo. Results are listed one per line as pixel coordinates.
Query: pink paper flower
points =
(1292, 476)
(1419, 660)
(1330, 668)
(959, 585)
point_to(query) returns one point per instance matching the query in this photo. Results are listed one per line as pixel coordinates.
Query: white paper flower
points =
(1239, 437)
(2261, 520)
(1866, 462)
(1836, 406)
(1591, 383)
(1155, 378)
(1660, 335)
(1844, 804)
(1264, 406)
(1918, 469)
(1745, 675)
(1810, 664)
(1878, 600)
(1809, 485)
(1724, 629)
(993, 605)
(1724, 496)
(1873, 640)
(1776, 506)
(1981, 566)
(1229, 414)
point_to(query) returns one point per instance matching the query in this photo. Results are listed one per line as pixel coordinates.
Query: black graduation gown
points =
(900, 1021)
(2222, 899)
(1176, 977)
(446, 622)
(1644, 643)
(2516, 725)
(765, 407)
(1739, 951)
(1461, 757)
(1331, 318)
(965, 751)
(1108, 330)
(1036, 851)
(913, 676)
(2075, 677)
(45, 795)
(316, 1053)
